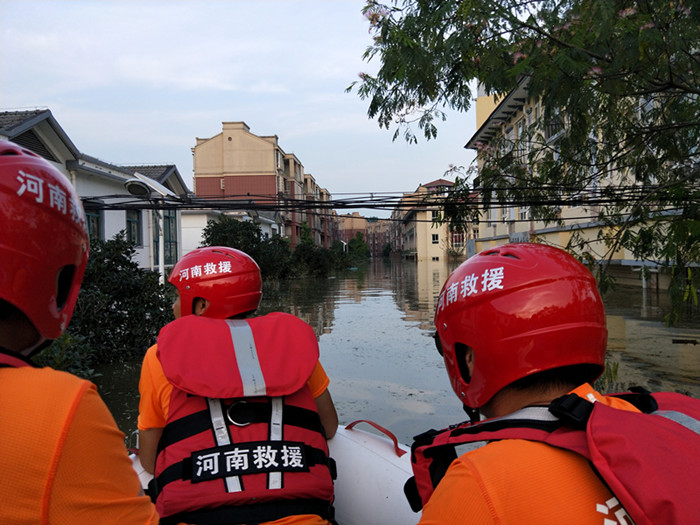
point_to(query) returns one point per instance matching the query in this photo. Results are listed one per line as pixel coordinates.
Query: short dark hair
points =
(562, 377)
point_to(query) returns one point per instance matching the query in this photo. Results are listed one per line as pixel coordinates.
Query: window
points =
(524, 213)
(507, 144)
(169, 238)
(554, 125)
(436, 238)
(522, 142)
(133, 227)
(435, 215)
(94, 223)
(170, 235)
(458, 240)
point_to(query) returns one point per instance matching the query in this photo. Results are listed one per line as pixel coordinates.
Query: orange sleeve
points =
(94, 481)
(318, 382)
(514, 481)
(154, 390)
(459, 494)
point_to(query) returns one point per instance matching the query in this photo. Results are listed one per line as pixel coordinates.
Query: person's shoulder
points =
(281, 318)
(507, 452)
(48, 375)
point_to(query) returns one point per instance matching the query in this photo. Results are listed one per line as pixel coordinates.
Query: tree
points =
(120, 308)
(358, 249)
(272, 255)
(227, 231)
(618, 80)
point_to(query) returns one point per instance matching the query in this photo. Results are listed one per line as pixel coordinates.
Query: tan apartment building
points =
(509, 118)
(349, 225)
(416, 229)
(239, 165)
(319, 215)
(329, 220)
(377, 235)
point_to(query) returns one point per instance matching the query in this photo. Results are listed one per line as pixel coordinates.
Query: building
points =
(239, 165)
(504, 125)
(377, 237)
(109, 207)
(349, 225)
(417, 232)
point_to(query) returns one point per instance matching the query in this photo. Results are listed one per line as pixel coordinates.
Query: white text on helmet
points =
(210, 268)
(491, 279)
(33, 186)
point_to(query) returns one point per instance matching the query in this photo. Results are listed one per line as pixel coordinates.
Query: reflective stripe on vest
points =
(247, 357)
(680, 418)
(222, 437)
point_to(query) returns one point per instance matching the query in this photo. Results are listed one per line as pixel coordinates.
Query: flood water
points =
(375, 335)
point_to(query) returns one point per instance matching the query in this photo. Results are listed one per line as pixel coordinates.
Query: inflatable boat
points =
(372, 469)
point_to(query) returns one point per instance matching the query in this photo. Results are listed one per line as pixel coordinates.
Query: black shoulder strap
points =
(574, 411)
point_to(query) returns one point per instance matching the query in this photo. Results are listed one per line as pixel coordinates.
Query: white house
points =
(109, 207)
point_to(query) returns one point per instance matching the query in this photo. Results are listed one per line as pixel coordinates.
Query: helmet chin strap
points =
(473, 413)
(38, 348)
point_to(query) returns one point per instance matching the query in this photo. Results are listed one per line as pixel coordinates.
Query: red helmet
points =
(43, 239)
(228, 278)
(522, 309)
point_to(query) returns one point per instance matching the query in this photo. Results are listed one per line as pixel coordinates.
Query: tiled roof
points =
(12, 119)
(155, 171)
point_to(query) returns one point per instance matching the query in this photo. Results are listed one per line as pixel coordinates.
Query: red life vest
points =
(243, 440)
(13, 360)
(650, 460)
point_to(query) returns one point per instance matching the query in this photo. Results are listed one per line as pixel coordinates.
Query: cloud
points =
(137, 82)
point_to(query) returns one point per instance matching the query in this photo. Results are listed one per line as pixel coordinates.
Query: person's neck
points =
(510, 400)
(18, 335)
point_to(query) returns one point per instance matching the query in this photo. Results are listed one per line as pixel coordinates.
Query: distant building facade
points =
(239, 165)
(417, 231)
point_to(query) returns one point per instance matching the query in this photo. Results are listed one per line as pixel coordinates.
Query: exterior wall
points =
(193, 224)
(236, 164)
(349, 225)
(237, 186)
(414, 231)
(420, 230)
(485, 104)
(378, 236)
(502, 224)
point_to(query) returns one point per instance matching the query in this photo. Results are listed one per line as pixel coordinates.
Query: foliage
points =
(70, 354)
(272, 255)
(358, 249)
(311, 260)
(609, 382)
(120, 308)
(231, 232)
(618, 125)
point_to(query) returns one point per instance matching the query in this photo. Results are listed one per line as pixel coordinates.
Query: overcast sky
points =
(135, 82)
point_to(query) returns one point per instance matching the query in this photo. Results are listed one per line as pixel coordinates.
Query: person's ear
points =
(199, 306)
(469, 360)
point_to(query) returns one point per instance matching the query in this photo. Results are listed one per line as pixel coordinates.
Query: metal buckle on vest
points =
(230, 417)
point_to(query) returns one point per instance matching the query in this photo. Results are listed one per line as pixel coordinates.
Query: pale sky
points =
(136, 81)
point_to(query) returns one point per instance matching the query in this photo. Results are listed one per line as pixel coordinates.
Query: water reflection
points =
(375, 334)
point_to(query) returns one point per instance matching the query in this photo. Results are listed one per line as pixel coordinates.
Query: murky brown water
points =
(375, 334)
